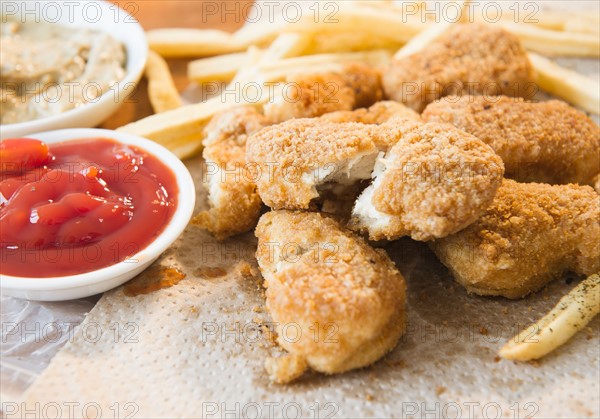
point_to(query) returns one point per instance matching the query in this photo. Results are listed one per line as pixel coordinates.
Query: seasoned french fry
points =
(550, 42)
(572, 313)
(162, 92)
(219, 68)
(569, 85)
(193, 42)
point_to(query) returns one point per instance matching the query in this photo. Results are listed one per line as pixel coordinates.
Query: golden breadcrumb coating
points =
(309, 96)
(548, 142)
(338, 303)
(596, 183)
(234, 202)
(379, 113)
(297, 156)
(470, 59)
(435, 181)
(532, 233)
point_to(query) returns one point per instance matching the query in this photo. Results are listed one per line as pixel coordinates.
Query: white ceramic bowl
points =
(95, 282)
(100, 15)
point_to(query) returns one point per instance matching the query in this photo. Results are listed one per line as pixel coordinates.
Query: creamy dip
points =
(47, 69)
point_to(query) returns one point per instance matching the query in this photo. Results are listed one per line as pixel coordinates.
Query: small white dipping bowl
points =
(97, 15)
(91, 283)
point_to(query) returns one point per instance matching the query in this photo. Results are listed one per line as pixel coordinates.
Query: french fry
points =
(550, 42)
(285, 46)
(568, 85)
(162, 92)
(193, 42)
(328, 42)
(259, 34)
(218, 68)
(388, 23)
(572, 313)
(181, 130)
(278, 70)
(424, 38)
(568, 22)
(247, 72)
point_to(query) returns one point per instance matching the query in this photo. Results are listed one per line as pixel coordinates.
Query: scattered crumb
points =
(257, 309)
(483, 330)
(286, 368)
(369, 397)
(440, 390)
(246, 270)
(534, 363)
(497, 359)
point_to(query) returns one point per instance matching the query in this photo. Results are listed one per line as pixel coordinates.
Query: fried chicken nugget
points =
(532, 233)
(547, 142)
(344, 299)
(309, 96)
(435, 181)
(300, 157)
(473, 58)
(234, 202)
(379, 113)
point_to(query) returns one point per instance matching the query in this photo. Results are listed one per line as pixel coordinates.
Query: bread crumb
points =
(440, 390)
(285, 369)
(246, 270)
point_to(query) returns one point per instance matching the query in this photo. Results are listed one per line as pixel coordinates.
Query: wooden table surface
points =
(204, 14)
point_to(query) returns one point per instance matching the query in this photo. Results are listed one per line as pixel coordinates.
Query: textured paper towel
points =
(195, 350)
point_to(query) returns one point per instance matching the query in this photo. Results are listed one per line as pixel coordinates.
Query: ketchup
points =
(79, 206)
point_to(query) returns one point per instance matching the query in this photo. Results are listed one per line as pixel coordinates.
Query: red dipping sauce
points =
(74, 207)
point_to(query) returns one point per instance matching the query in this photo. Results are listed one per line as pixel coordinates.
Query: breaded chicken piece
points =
(435, 181)
(376, 114)
(344, 299)
(309, 96)
(547, 142)
(532, 233)
(298, 158)
(471, 59)
(232, 196)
